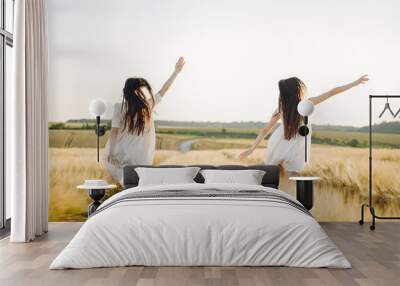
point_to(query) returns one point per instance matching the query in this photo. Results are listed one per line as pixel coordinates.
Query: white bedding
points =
(200, 231)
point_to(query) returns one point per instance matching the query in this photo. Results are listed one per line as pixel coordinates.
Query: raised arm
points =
(261, 135)
(178, 67)
(318, 99)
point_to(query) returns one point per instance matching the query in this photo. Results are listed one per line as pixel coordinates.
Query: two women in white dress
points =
(132, 139)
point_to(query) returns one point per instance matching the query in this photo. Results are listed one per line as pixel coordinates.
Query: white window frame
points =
(6, 39)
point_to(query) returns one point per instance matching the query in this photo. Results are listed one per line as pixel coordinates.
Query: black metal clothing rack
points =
(370, 204)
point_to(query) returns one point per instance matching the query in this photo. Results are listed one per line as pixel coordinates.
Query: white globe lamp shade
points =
(97, 107)
(305, 107)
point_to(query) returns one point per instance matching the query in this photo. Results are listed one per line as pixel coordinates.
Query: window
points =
(9, 19)
(6, 44)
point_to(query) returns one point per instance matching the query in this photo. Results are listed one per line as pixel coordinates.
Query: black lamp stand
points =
(303, 131)
(100, 131)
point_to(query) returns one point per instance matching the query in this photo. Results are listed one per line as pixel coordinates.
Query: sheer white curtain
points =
(28, 116)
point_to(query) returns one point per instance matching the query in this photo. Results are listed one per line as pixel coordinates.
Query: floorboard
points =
(375, 257)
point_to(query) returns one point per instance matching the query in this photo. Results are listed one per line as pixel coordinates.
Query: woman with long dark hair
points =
(133, 139)
(286, 146)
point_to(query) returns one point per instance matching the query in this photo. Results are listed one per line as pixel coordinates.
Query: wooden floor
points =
(375, 257)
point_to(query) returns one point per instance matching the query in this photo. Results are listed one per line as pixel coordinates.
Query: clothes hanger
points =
(397, 113)
(387, 107)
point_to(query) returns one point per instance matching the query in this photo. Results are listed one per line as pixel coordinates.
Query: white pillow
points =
(248, 177)
(165, 176)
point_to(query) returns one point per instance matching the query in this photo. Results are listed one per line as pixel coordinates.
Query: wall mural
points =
(242, 66)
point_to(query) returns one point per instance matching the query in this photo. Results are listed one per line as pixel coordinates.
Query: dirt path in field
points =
(186, 146)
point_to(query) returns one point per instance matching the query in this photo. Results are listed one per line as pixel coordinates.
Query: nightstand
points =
(96, 191)
(305, 190)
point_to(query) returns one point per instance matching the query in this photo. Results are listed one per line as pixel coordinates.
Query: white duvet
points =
(200, 231)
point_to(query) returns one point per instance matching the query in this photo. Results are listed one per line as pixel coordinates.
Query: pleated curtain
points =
(28, 115)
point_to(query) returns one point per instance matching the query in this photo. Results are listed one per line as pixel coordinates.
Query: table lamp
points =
(97, 108)
(305, 109)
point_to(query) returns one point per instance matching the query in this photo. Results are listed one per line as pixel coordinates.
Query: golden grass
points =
(88, 139)
(343, 168)
(224, 143)
(170, 142)
(69, 168)
(214, 157)
(75, 139)
(346, 169)
(344, 173)
(383, 138)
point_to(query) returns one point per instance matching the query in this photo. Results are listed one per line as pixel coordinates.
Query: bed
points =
(199, 224)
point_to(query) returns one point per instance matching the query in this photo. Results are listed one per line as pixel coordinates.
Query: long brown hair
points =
(291, 92)
(136, 109)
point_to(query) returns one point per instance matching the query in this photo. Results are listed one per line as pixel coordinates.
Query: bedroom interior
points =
(231, 171)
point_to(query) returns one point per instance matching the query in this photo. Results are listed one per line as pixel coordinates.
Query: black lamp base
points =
(96, 195)
(100, 130)
(305, 193)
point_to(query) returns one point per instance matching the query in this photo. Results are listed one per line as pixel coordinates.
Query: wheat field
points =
(344, 173)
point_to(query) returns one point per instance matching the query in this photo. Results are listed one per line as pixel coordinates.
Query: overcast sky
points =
(236, 53)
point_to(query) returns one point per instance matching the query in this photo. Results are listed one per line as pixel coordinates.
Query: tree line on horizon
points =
(392, 127)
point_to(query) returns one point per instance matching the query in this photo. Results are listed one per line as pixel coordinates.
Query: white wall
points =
(236, 52)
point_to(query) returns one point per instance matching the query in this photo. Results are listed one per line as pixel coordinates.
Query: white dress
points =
(130, 149)
(288, 153)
